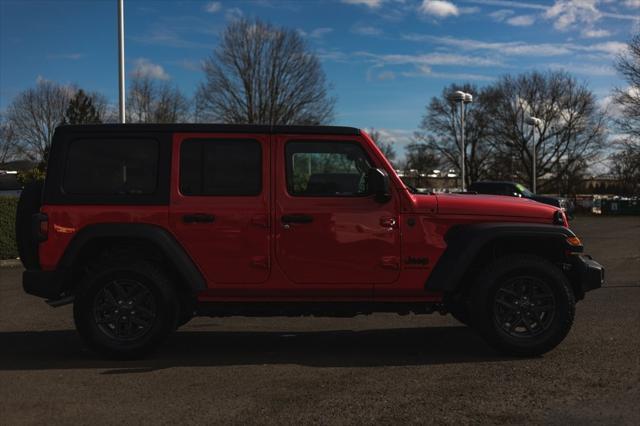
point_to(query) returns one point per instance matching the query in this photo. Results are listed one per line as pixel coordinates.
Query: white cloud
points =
(213, 7)
(567, 13)
(509, 3)
(367, 30)
(146, 68)
(565, 10)
(320, 32)
(610, 47)
(513, 48)
(593, 70)
(502, 14)
(331, 55)
(439, 8)
(520, 48)
(430, 59)
(386, 75)
(317, 33)
(632, 3)
(521, 20)
(593, 33)
(71, 56)
(233, 14)
(400, 138)
(370, 3)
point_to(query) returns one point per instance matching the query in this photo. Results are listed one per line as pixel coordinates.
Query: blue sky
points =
(384, 58)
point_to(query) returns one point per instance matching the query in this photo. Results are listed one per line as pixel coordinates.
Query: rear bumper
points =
(588, 273)
(46, 284)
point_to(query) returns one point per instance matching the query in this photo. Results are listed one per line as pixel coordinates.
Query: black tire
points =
(28, 204)
(105, 309)
(460, 311)
(186, 315)
(522, 305)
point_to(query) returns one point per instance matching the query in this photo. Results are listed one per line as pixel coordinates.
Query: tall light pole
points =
(463, 98)
(537, 124)
(121, 60)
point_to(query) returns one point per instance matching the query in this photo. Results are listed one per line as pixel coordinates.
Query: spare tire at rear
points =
(28, 205)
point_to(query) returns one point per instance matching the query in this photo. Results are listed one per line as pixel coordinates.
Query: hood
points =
(493, 205)
(552, 201)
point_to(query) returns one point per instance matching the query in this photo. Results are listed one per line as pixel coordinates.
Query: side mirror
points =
(378, 185)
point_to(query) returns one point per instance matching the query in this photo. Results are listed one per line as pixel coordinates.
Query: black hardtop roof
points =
(207, 128)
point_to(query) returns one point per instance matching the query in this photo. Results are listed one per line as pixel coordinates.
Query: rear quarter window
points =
(111, 167)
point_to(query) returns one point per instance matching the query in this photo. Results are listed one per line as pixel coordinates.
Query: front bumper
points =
(46, 284)
(586, 273)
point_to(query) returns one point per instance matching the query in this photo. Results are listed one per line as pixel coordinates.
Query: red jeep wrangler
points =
(142, 227)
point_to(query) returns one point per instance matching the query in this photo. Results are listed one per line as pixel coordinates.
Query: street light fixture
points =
(537, 124)
(463, 98)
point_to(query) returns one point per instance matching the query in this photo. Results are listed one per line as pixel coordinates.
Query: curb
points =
(10, 263)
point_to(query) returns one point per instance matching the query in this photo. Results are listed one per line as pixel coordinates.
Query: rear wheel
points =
(126, 311)
(523, 305)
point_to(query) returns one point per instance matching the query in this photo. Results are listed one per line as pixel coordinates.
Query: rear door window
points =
(111, 167)
(221, 167)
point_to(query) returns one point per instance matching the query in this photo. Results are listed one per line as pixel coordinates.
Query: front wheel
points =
(523, 305)
(125, 311)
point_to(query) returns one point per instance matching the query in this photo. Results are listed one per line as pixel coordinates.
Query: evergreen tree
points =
(81, 110)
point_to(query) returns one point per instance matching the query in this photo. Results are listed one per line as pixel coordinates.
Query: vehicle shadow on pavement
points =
(343, 348)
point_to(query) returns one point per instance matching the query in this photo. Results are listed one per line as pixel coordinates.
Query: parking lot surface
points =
(369, 369)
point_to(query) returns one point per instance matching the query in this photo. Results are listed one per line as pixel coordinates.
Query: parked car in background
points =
(9, 184)
(513, 189)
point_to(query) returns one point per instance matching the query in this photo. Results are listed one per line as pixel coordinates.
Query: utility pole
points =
(121, 112)
(463, 98)
(537, 124)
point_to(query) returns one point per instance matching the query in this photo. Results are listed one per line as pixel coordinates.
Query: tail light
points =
(40, 227)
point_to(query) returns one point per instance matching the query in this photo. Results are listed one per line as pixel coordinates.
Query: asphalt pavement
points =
(381, 368)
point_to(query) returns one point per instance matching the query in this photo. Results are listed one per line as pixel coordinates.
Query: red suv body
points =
(256, 220)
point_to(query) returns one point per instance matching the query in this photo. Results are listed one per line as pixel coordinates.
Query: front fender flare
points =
(465, 243)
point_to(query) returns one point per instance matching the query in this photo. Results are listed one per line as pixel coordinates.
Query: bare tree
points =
(149, 101)
(440, 131)
(34, 115)
(421, 157)
(387, 148)
(628, 99)
(262, 74)
(572, 134)
(625, 166)
(8, 141)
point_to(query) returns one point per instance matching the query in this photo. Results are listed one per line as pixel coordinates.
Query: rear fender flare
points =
(156, 235)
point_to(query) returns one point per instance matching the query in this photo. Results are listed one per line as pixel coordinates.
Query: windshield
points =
(524, 191)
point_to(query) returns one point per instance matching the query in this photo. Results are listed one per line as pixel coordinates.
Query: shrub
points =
(8, 207)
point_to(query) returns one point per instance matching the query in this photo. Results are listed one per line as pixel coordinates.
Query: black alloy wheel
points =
(524, 307)
(124, 309)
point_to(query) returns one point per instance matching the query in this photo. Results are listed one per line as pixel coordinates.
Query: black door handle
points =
(296, 218)
(198, 218)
